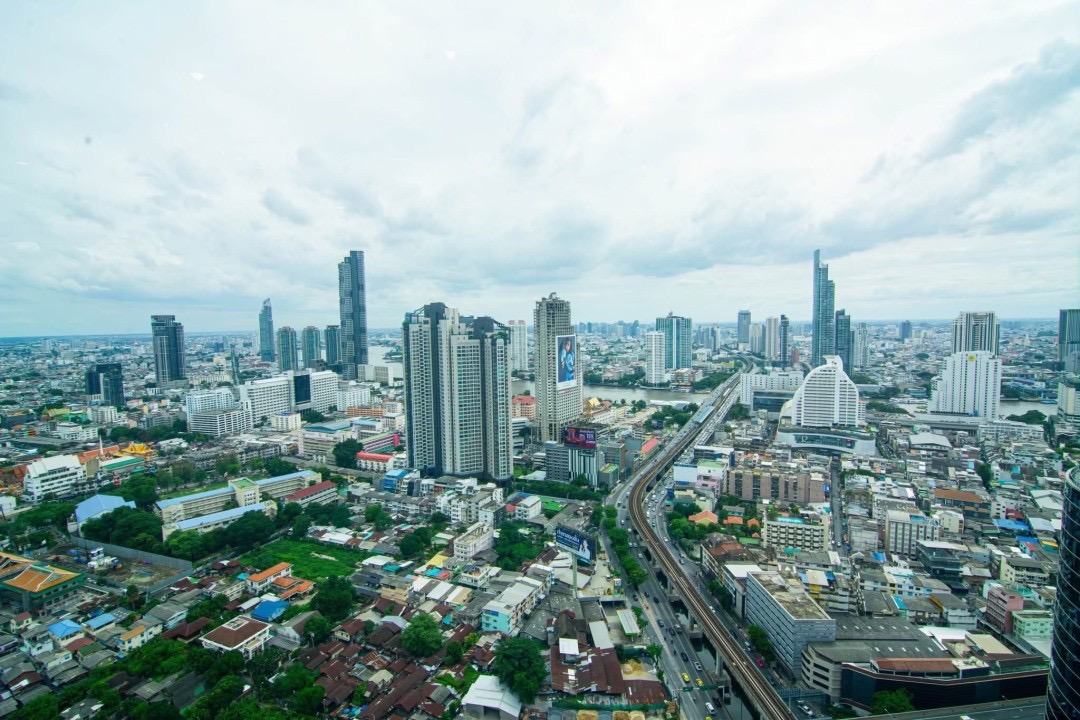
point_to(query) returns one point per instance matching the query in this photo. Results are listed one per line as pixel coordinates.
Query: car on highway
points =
(686, 677)
(685, 657)
(697, 666)
(760, 663)
(700, 683)
(660, 623)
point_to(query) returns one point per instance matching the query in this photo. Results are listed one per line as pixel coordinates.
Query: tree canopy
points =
(345, 453)
(519, 666)
(422, 638)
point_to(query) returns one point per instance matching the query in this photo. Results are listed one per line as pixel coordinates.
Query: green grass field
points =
(305, 558)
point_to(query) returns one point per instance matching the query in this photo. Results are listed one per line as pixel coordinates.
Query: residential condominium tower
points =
(286, 349)
(824, 304)
(559, 398)
(311, 346)
(170, 356)
(457, 393)
(106, 380)
(332, 336)
(785, 340)
(976, 332)
(654, 357)
(743, 328)
(827, 398)
(519, 346)
(970, 384)
(352, 299)
(844, 340)
(1068, 333)
(678, 340)
(772, 338)
(266, 332)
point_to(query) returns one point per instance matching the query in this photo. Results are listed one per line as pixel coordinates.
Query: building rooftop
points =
(99, 504)
(194, 496)
(790, 595)
(236, 631)
(311, 490)
(269, 572)
(36, 578)
(197, 522)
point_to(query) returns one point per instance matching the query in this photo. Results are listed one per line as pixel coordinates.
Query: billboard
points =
(576, 542)
(581, 437)
(566, 357)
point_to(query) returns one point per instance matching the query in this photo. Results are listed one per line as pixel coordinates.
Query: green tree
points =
(415, 543)
(292, 681)
(422, 636)
(654, 651)
(277, 466)
(187, 544)
(140, 489)
(519, 666)
(345, 453)
(248, 530)
(312, 416)
(300, 527)
(308, 701)
(319, 628)
(44, 707)
(891, 701)
(335, 599)
(454, 652)
(760, 640)
(227, 464)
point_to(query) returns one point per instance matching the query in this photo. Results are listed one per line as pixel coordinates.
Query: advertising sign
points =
(581, 437)
(576, 542)
(566, 357)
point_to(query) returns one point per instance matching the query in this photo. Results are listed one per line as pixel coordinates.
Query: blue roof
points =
(64, 628)
(194, 496)
(98, 504)
(269, 610)
(289, 476)
(100, 621)
(1014, 525)
(198, 522)
(399, 473)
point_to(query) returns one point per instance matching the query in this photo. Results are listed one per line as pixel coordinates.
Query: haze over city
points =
(196, 159)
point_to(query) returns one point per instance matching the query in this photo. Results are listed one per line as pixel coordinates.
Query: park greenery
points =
(517, 543)
(711, 382)
(885, 407)
(518, 666)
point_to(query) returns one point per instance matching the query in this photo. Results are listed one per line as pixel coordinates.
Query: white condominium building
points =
(827, 398)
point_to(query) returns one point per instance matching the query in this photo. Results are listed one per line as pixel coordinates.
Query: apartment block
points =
(780, 606)
(809, 533)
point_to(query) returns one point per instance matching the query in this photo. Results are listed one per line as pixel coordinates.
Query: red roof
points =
(525, 399)
(649, 446)
(311, 490)
(374, 456)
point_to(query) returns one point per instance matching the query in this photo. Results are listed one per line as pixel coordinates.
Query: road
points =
(1027, 709)
(753, 683)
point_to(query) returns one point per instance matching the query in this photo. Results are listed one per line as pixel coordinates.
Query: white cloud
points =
(636, 159)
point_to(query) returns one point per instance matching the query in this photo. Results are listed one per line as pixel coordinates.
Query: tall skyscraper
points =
(976, 332)
(744, 328)
(266, 332)
(757, 338)
(519, 345)
(332, 336)
(654, 357)
(772, 338)
(353, 304)
(678, 336)
(905, 330)
(785, 340)
(1068, 332)
(311, 346)
(970, 384)
(170, 355)
(824, 306)
(106, 380)
(860, 354)
(559, 397)
(286, 349)
(844, 339)
(1063, 693)
(457, 393)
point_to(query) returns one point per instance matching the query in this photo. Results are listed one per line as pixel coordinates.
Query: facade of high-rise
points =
(860, 354)
(969, 384)
(352, 298)
(654, 358)
(976, 332)
(106, 380)
(1068, 333)
(757, 338)
(905, 330)
(457, 393)
(743, 328)
(311, 346)
(678, 340)
(844, 340)
(332, 336)
(266, 332)
(170, 354)
(772, 338)
(785, 340)
(557, 403)
(824, 307)
(519, 345)
(286, 349)
(827, 398)
(1063, 693)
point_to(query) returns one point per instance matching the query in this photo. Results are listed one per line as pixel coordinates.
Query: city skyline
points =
(892, 147)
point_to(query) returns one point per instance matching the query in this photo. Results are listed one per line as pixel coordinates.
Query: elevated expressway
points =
(758, 691)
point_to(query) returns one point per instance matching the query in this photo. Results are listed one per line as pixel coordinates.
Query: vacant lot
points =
(310, 561)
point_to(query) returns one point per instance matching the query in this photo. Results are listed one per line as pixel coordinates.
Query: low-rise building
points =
(243, 634)
(904, 529)
(322, 493)
(507, 612)
(807, 532)
(476, 539)
(261, 581)
(58, 476)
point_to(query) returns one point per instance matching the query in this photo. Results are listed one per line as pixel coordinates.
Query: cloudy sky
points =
(635, 157)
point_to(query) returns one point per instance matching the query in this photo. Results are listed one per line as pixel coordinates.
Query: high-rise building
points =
(286, 349)
(1068, 333)
(170, 355)
(757, 338)
(824, 306)
(827, 398)
(677, 341)
(1063, 694)
(772, 338)
(457, 393)
(311, 346)
(106, 380)
(654, 357)
(559, 397)
(905, 330)
(743, 330)
(266, 332)
(860, 355)
(970, 384)
(519, 345)
(976, 332)
(785, 340)
(202, 401)
(332, 336)
(844, 339)
(352, 298)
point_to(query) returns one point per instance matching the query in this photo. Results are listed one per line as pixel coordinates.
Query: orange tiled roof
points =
(36, 578)
(259, 577)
